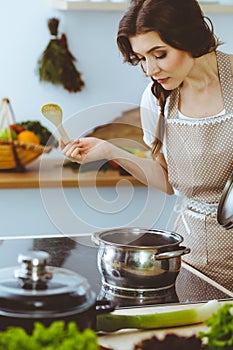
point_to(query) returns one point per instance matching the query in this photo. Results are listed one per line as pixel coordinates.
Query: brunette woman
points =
(187, 119)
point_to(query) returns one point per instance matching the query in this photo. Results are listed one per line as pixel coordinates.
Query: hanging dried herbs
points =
(56, 64)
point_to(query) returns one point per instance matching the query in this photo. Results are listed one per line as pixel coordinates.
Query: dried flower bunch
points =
(56, 64)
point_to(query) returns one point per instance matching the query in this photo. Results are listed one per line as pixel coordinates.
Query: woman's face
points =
(164, 63)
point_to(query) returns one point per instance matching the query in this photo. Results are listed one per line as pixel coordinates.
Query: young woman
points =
(187, 119)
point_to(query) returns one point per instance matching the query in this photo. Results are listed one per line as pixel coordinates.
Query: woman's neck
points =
(203, 74)
(200, 93)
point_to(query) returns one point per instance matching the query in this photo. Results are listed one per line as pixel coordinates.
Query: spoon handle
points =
(65, 138)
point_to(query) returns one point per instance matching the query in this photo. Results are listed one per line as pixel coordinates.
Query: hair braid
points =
(161, 95)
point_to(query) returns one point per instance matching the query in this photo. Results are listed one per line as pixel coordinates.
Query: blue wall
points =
(91, 36)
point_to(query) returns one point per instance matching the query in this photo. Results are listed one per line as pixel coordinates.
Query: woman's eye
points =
(160, 56)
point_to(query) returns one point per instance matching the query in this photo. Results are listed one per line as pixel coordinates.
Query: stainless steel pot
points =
(138, 262)
(37, 292)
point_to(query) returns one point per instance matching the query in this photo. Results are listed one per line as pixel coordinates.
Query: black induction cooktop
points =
(79, 254)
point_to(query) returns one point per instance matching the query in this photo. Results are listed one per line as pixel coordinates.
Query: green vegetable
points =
(45, 136)
(220, 335)
(4, 134)
(55, 337)
(113, 322)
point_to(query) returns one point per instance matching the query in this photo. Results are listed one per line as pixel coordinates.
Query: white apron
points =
(200, 160)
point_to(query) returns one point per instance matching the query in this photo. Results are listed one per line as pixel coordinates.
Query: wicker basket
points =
(15, 155)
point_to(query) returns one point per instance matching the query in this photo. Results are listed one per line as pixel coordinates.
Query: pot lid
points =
(37, 287)
(225, 207)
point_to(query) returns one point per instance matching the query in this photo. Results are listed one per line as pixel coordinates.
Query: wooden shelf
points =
(122, 6)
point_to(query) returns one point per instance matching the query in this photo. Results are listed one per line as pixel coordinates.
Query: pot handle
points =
(172, 254)
(95, 239)
(104, 306)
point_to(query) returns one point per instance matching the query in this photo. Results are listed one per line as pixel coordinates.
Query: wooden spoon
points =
(53, 113)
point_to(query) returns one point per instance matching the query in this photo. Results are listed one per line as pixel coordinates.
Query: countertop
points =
(49, 172)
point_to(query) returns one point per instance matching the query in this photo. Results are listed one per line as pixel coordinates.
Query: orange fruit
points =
(28, 137)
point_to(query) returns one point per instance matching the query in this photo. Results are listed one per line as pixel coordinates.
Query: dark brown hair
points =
(180, 23)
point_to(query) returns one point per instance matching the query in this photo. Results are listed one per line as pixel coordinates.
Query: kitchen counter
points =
(49, 172)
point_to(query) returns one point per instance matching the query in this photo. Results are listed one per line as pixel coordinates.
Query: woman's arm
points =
(151, 172)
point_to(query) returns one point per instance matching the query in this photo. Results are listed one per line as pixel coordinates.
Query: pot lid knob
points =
(33, 273)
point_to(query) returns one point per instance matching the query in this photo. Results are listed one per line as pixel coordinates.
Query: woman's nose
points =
(151, 68)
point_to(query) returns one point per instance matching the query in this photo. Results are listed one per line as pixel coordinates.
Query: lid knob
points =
(33, 273)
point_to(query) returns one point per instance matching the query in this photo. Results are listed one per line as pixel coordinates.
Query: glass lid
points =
(34, 285)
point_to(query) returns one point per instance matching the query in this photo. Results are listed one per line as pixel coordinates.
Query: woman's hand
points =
(87, 149)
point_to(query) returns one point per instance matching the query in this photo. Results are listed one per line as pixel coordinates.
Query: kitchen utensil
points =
(53, 113)
(42, 293)
(137, 261)
(225, 207)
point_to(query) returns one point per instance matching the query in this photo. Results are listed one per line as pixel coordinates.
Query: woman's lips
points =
(162, 81)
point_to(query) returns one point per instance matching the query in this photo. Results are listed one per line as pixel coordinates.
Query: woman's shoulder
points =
(147, 91)
(148, 100)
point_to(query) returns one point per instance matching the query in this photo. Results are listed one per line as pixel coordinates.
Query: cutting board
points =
(126, 339)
